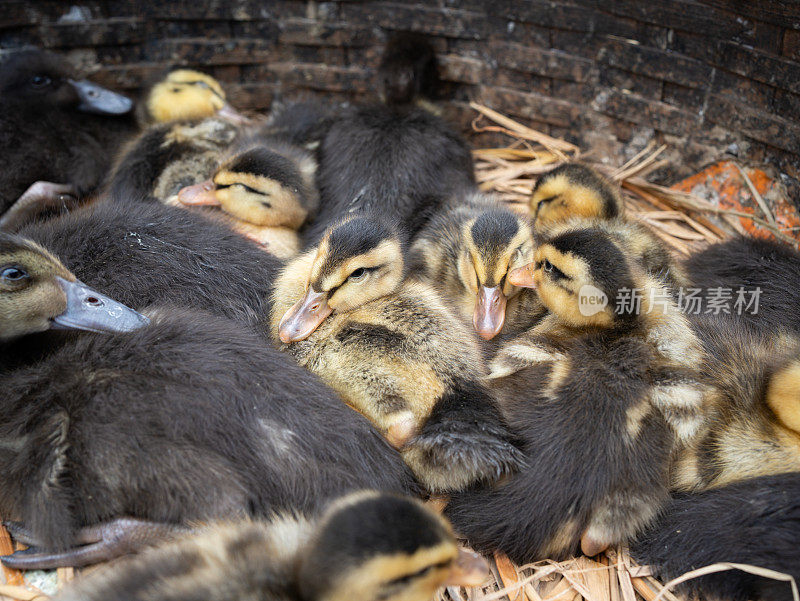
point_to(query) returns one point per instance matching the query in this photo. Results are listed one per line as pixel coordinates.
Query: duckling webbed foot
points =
(465, 440)
(94, 544)
(38, 199)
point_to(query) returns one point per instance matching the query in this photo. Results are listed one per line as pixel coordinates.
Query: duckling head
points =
(38, 293)
(358, 260)
(40, 79)
(408, 69)
(372, 546)
(187, 95)
(582, 277)
(573, 190)
(494, 243)
(257, 186)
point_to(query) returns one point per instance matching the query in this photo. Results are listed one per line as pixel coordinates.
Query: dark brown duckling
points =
(114, 440)
(754, 522)
(56, 128)
(369, 546)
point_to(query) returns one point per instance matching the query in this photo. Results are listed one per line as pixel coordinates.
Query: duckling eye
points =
(13, 274)
(358, 275)
(548, 266)
(40, 81)
(176, 90)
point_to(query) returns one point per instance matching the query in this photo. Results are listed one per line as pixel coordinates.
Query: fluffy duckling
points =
(771, 267)
(754, 427)
(754, 522)
(145, 253)
(394, 352)
(467, 252)
(56, 128)
(112, 441)
(187, 95)
(573, 190)
(37, 293)
(267, 186)
(368, 546)
(602, 392)
(395, 162)
(408, 71)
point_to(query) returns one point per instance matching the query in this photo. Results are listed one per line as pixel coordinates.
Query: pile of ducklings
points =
(246, 349)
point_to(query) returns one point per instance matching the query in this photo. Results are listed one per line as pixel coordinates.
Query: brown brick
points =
(449, 22)
(529, 34)
(537, 107)
(791, 44)
(580, 93)
(740, 89)
(779, 72)
(694, 45)
(635, 108)
(632, 82)
(128, 76)
(216, 52)
(308, 32)
(785, 13)
(322, 77)
(786, 105)
(655, 63)
(205, 28)
(587, 45)
(92, 33)
(239, 10)
(519, 80)
(691, 99)
(249, 96)
(559, 15)
(549, 63)
(463, 69)
(759, 125)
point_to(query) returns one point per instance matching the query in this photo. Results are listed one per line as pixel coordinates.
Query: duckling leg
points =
(37, 199)
(101, 542)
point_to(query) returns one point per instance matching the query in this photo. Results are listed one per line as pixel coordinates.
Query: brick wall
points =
(707, 76)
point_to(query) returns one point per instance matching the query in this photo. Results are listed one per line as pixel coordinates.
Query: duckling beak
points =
(490, 312)
(522, 276)
(199, 194)
(94, 312)
(229, 113)
(469, 569)
(100, 100)
(304, 317)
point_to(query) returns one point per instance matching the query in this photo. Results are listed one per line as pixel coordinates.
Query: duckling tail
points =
(754, 522)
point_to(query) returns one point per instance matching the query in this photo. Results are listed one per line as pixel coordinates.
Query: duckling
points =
(187, 95)
(602, 392)
(396, 162)
(754, 264)
(753, 428)
(408, 71)
(115, 440)
(573, 190)
(467, 252)
(145, 253)
(368, 546)
(754, 522)
(37, 293)
(55, 128)
(267, 185)
(394, 352)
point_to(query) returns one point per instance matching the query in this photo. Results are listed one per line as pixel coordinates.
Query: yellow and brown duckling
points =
(368, 546)
(267, 186)
(574, 190)
(394, 352)
(753, 428)
(37, 293)
(603, 392)
(187, 95)
(467, 252)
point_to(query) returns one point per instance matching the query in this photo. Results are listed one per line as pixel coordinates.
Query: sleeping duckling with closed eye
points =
(394, 352)
(603, 393)
(753, 428)
(574, 190)
(467, 252)
(367, 546)
(268, 187)
(114, 440)
(187, 95)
